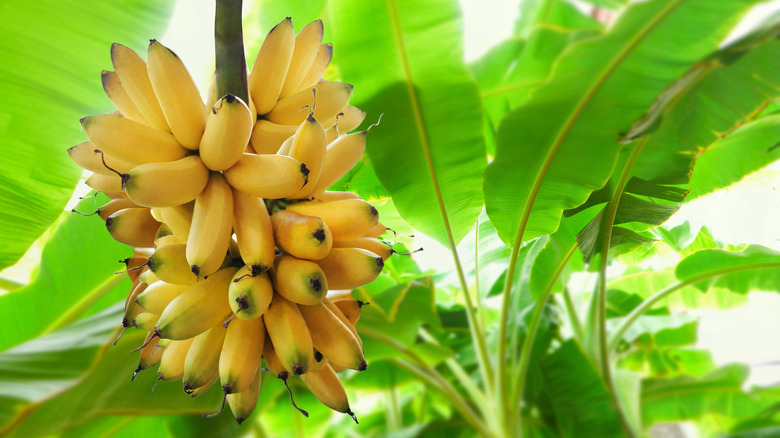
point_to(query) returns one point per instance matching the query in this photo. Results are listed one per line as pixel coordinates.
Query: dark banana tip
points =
(319, 235)
(363, 366)
(380, 262)
(195, 270)
(298, 369)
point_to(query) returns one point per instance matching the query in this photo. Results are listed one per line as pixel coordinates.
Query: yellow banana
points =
(132, 309)
(167, 184)
(113, 88)
(268, 136)
(172, 362)
(349, 307)
(344, 318)
(131, 141)
(149, 277)
(272, 361)
(85, 156)
(170, 239)
(369, 243)
(150, 355)
(212, 226)
(319, 361)
(133, 226)
(169, 264)
(300, 281)
(347, 218)
(249, 295)
(163, 230)
(340, 156)
(113, 206)
(105, 183)
(318, 67)
(270, 67)
(307, 44)
(267, 176)
(198, 309)
(308, 147)
(305, 237)
(243, 403)
(349, 118)
(325, 385)
(254, 232)
(146, 320)
(178, 95)
(331, 98)
(328, 196)
(241, 353)
(159, 294)
(331, 337)
(289, 334)
(133, 74)
(179, 218)
(202, 363)
(284, 149)
(194, 392)
(377, 231)
(332, 133)
(348, 268)
(228, 129)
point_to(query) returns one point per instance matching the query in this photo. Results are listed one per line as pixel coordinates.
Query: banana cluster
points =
(237, 239)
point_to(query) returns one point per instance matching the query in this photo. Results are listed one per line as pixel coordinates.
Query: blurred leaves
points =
(46, 65)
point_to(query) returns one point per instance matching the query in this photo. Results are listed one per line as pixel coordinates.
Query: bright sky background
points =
(748, 212)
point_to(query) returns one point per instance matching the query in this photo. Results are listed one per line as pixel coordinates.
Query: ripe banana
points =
(349, 307)
(132, 309)
(318, 363)
(239, 360)
(167, 184)
(228, 129)
(307, 44)
(318, 67)
(377, 231)
(330, 99)
(325, 385)
(172, 362)
(243, 403)
(133, 74)
(150, 354)
(328, 196)
(267, 176)
(194, 392)
(113, 206)
(349, 268)
(212, 226)
(159, 294)
(249, 295)
(333, 338)
(202, 363)
(300, 281)
(146, 320)
(198, 309)
(369, 243)
(289, 334)
(341, 155)
(105, 183)
(343, 317)
(113, 88)
(131, 141)
(272, 361)
(177, 94)
(133, 226)
(284, 149)
(268, 136)
(350, 118)
(170, 239)
(305, 237)
(169, 264)
(270, 67)
(84, 155)
(148, 277)
(347, 218)
(308, 147)
(179, 218)
(254, 232)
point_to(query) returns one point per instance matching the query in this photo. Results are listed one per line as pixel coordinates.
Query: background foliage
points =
(562, 150)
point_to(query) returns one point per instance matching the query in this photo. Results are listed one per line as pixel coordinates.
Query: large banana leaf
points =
(558, 147)
(405, 59)
(51, 55)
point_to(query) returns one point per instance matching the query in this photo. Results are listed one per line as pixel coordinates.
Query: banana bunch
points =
(237, 239)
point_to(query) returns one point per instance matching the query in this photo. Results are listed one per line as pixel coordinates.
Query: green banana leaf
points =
(428, 150)
(558, 147)
(68, 40)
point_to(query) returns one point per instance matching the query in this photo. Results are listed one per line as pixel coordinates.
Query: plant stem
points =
(576, 326)
(229, 50)
(528, 343)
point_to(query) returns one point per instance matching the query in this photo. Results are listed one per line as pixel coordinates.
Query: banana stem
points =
(229, 50)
